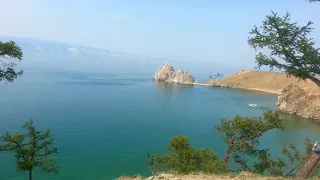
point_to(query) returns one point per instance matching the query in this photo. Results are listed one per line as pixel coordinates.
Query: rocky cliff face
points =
(294, 100)
(166, 73)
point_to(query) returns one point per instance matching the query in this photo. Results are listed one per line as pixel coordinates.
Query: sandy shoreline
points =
(253, 89)
(269, 82)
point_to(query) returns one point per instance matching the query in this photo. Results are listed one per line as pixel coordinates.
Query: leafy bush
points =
(242, 136)
(183, 159)
(32, 149)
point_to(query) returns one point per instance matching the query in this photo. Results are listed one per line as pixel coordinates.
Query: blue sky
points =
(190, 30)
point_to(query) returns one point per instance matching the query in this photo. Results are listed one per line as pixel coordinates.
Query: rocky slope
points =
(295, 100)
(166, 73)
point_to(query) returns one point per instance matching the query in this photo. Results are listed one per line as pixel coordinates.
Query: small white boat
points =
(253, 105)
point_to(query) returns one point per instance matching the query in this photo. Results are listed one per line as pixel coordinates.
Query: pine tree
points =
(31, 149)
(8, 52)
(288, 45)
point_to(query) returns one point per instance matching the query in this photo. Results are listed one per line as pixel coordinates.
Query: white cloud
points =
(74, 50)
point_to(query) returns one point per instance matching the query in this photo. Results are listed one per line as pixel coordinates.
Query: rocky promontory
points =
(297, 101)
(296, 96)
(166, 73)
(272, 82)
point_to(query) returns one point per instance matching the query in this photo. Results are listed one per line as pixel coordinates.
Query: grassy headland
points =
(271, 82)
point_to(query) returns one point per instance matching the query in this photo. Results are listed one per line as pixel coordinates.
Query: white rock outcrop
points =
(167, 73)
(294, 100)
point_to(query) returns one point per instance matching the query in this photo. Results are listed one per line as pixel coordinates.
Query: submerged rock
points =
(294, 100)
(166, 73)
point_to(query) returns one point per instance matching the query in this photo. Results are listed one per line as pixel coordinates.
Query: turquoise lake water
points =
(105, 124)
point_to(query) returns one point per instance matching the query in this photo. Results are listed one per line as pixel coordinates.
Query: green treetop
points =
(285, 45)
(8, 52)
(31, 149)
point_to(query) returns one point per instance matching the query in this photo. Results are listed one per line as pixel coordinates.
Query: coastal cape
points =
(296, 96)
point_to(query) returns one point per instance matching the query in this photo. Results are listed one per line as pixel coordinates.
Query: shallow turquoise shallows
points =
(105, 124)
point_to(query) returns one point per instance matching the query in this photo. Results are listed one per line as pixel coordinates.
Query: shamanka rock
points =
(294, 100)
(166, 73)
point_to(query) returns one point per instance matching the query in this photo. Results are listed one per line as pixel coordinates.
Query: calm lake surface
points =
(105, 124)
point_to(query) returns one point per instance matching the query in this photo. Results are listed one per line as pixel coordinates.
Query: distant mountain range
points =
(45, 54)
(36, 45)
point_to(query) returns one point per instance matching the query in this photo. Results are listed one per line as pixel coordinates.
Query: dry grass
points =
(272, 82)
(169, 176)
(135, 177)
(204, 177)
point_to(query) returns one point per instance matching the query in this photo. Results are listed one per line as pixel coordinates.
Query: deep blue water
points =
(105, 124)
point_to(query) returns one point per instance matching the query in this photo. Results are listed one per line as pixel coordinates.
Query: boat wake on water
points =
(258, 106)
(253, 105)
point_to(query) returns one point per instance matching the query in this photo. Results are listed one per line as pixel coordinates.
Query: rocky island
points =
(166, 73)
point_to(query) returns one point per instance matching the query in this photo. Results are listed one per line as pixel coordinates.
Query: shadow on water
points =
(245, 92)
(296, 122)
(166, 90)
(103, 80)
(296, 129)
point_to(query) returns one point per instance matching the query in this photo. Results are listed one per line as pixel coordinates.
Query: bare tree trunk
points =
(315, 80)
(30, 174)
(310, 164)
(226, 157)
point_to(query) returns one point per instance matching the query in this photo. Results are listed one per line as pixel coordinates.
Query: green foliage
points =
(9, 51)
(242, 136)
(247, 132)
(290, 163)
(31, 149)
(288, 45)
(182, 158)
(216, 76)
(295, 157)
